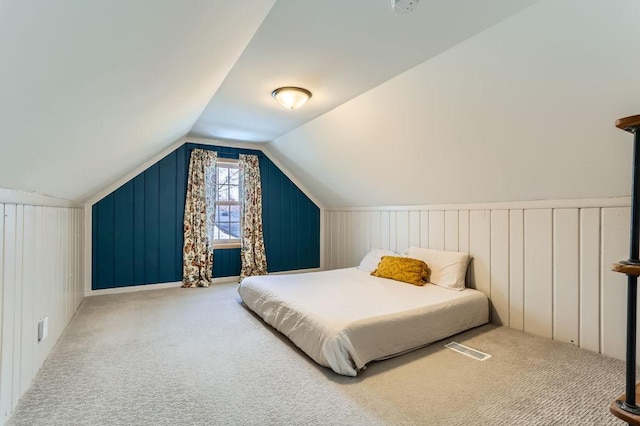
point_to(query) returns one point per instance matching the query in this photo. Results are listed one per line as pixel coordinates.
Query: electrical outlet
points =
(43, 328)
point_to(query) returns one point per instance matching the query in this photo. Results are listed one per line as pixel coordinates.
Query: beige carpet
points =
(198, 357)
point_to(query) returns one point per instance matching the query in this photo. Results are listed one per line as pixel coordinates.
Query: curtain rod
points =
(226, 154)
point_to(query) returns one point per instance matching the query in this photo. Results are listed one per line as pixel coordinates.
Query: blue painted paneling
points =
(104, 245)
(95, 240)
(181, 193)
(226, 262)
(123, 239)
(167, 250)
(274, 234)
(151, 224)
(137, 230)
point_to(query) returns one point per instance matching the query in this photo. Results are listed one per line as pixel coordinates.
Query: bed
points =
(345, 318)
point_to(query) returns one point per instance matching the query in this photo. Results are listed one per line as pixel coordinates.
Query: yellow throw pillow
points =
(405, 269)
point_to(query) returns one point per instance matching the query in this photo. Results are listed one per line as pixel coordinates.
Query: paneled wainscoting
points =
(41, 275)
(544, 264)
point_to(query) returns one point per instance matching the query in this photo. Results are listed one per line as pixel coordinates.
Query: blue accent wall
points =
(137, 229)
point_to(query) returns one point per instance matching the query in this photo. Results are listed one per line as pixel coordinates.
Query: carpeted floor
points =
(198, 357)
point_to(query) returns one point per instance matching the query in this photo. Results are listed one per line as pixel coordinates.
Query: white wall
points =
(41, 252)
(545, 265)
(522, 111)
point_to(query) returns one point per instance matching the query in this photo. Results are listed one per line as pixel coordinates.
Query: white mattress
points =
(345, 318)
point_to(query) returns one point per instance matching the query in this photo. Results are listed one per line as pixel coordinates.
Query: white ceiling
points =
(91, 90)
(337, 50)
(522, 111)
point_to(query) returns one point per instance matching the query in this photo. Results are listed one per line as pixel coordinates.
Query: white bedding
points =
(345, 318)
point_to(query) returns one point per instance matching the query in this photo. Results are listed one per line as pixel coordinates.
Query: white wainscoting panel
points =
(516, 269)
(402, 229)
(590, 279)
(376, 220)
(436, 230)
(41, 275)
(463, 231)
(566, 270)
(414, 229)
(424, 229)
(451, 230)
(538, 292)
(615, 246)
(393, 232)
(546, 266)
(480, 248)
(384, 230)
(500, 266)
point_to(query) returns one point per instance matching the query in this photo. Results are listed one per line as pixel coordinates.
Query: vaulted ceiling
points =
(337, 49)
(90, 90)
(459, 101)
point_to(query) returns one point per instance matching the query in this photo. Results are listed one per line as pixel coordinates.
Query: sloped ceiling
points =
(460, 101)
(338, 49)
(91, 89)
(522, 111)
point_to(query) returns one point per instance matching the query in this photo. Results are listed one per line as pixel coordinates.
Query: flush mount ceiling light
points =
(291, 97)
(404, 6)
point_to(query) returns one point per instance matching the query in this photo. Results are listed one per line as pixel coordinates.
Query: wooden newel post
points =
(626, 407)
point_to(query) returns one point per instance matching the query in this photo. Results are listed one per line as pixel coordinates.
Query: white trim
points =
(215, 281)
(88, 231)
(265, 150)
(144, 166)
(231, 144)
(187, 139)
(131, 289)
(88, 236)
(258, 146)
(291, 177)
(233, 243)
(233, 163)
(12, 196)
(323, 215)
(504, 205)
(296, 271)
(145, 287)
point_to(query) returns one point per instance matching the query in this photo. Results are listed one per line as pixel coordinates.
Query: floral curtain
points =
(252, 253)
(199, 218)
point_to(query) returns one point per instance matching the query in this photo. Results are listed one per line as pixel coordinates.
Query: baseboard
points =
(296, 271)
(131, 289)
(215, 281)
(144, 287)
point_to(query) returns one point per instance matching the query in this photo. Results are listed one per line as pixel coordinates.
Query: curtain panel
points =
(252, 252)
(199, 220)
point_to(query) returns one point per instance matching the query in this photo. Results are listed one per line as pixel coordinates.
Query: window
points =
(228, 205)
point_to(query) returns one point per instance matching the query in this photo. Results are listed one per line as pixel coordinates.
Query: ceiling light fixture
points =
(403, 7)
(291, 97)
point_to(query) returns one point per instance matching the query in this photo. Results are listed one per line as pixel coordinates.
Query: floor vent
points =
(466, 350)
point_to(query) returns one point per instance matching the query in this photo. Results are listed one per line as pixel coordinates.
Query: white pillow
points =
(370, 262)
(448, 268)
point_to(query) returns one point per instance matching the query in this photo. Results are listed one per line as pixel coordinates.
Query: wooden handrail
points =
(615, 409)
(626, 269)
(630, 124)
(627, 407)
